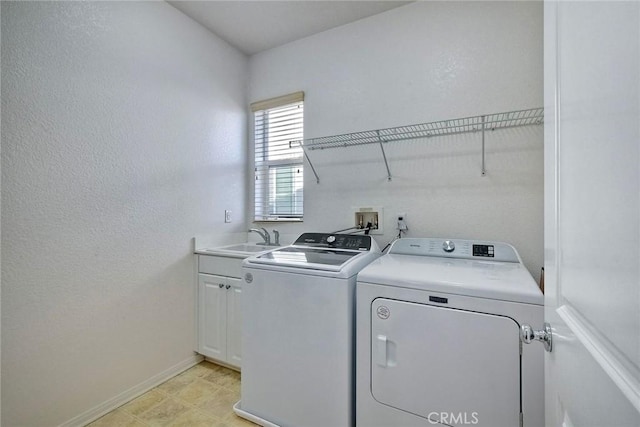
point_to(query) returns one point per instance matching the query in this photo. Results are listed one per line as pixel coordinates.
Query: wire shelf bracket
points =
(304, 150)
(482, 123)
(384, 156)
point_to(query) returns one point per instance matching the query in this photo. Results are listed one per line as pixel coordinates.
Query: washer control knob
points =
(331, 239)
(448, 246)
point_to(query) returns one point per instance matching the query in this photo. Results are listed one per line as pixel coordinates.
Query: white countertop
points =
(239, 250)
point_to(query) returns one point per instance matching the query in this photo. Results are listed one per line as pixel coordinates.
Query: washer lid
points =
(319, 253)
(507, 281)
(315, 258)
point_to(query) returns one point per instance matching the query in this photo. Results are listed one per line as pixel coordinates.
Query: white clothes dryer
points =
(438, 337)
(298, 344)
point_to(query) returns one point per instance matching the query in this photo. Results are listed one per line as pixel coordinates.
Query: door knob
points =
(528, 334)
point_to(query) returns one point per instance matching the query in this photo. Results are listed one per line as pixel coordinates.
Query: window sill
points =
(278, 220)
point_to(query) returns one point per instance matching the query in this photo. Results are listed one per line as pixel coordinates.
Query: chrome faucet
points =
(264, 234)
(276, 236)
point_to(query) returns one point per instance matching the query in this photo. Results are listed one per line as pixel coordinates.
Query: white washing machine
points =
(298, 343)
(438, 337)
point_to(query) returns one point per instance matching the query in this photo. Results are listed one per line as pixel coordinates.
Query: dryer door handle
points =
(381, 350)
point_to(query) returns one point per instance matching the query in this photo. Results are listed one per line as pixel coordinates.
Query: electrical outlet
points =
(227, 216)
(402, 222)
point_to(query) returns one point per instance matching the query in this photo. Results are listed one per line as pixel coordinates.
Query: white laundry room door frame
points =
(592, 213)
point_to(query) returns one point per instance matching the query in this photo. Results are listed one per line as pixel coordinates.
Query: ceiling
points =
(254, 26)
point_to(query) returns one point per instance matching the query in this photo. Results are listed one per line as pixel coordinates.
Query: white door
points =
(592, 213)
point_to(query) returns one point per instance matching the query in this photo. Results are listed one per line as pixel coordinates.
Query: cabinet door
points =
(234, 321)
(212, 316)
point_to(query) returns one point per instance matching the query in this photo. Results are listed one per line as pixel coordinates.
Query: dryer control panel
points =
(452, 248)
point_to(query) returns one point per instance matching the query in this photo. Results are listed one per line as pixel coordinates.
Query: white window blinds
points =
(279, 183)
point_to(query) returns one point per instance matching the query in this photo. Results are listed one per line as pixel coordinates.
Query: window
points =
(278, 131)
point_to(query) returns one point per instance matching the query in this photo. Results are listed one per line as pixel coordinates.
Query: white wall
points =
(422, 62)
(123, 136)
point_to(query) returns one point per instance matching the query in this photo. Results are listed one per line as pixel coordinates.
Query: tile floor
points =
(201, 396)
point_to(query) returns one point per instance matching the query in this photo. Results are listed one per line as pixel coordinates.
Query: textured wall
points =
(422, 62)
(123, 135)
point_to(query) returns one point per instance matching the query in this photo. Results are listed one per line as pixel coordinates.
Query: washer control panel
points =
(449, 248)
(337, 241)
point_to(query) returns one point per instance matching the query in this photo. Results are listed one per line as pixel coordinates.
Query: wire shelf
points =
(534, 116)
(509, 119)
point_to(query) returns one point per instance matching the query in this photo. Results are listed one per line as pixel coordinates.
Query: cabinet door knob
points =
(221, 285)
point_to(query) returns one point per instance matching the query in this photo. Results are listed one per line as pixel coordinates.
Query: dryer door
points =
(452, 366)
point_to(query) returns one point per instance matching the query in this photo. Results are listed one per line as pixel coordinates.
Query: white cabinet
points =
(234, 322)
(219, 309)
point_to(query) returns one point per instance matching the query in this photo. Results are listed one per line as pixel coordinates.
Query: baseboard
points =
(217, 362)
(135, 391)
